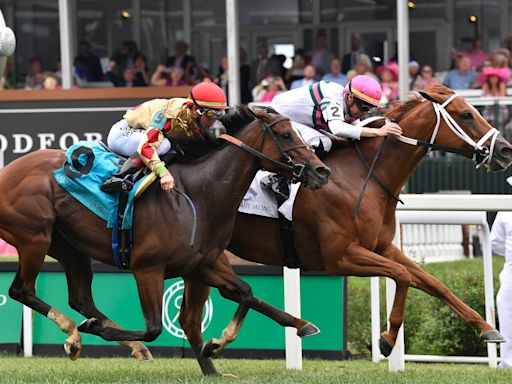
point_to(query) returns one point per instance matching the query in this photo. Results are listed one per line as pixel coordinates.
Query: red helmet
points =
(207, 95)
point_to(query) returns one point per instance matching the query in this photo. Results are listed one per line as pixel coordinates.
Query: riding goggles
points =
(364, 107)
(211, 113)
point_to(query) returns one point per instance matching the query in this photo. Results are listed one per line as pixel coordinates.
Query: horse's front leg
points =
(358, 261)
(150, 284)
(221, 276)
(429, 284)
(194, 296)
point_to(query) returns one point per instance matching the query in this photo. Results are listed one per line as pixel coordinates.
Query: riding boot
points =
(122, 180)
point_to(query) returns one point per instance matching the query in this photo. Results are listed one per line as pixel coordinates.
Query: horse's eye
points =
(467, 116)
(286, 135)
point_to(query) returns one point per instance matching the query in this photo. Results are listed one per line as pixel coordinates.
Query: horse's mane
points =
(237, 119)
(400, 109)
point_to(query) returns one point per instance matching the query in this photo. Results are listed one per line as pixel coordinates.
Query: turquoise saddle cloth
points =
(88, 164)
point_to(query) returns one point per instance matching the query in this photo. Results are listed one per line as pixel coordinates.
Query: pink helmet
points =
(365, 88)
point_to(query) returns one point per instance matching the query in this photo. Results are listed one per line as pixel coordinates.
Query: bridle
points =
(481, 154)
(287, 164)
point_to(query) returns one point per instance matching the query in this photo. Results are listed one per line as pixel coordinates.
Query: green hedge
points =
(431, 327)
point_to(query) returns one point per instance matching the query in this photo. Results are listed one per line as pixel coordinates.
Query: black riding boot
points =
(121, 181)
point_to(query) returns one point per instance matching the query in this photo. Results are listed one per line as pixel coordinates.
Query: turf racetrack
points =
(119, 370)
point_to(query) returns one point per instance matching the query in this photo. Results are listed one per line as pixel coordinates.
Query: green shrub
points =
(431, 327)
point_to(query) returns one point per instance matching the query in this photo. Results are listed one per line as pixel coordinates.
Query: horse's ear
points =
(433, 97)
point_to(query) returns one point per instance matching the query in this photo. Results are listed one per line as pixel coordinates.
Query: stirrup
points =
(117, 184)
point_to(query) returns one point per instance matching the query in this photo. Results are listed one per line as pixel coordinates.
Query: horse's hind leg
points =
(191, 310)
(429, 284)
(31, 258)
(78, 271)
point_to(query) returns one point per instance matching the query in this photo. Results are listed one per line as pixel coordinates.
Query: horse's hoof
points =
(493, 336)
(142, 354)
(72, 350)
(209, 349)
(309, 329)
(385, 347)
(87, 325)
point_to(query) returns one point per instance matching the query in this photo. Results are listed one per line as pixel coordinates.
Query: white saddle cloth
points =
(258, 201)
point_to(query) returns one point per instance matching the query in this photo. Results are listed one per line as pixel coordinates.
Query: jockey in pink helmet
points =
(330, 107)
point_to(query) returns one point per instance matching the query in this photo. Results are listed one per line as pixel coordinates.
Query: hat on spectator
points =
(502, 73)
(509, 180)
(391, 67)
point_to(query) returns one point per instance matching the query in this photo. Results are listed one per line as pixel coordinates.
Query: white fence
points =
(470, 210)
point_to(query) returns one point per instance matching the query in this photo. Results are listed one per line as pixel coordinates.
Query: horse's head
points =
(279, 147)
(283, 143)
(460, 126)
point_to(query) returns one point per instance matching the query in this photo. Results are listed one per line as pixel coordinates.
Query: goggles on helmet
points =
(208, 112)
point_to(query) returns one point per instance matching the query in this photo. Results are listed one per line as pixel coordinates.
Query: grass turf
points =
(118, 370)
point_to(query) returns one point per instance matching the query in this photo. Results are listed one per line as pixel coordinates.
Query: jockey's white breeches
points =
(312, 136)
(125, 140)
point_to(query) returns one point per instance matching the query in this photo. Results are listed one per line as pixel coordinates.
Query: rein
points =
(296, 169)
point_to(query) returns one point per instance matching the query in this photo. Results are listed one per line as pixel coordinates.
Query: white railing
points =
(470, 208)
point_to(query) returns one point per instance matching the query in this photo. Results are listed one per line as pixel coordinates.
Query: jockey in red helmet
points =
(333, 108)
(149, 128)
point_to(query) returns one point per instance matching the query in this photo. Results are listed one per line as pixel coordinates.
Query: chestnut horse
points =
(38, 217)
(329, 239)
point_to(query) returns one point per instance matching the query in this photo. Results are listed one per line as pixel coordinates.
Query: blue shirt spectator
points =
(335, 75)
(463, 77)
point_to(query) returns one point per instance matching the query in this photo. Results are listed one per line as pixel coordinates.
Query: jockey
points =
(149, 128)
(336, 109)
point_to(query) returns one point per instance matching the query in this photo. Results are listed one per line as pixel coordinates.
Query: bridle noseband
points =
(287, 164)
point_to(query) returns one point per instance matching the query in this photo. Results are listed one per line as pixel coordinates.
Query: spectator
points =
(122, 59)
(275, 66)
(35, 77)
(307, 80)
(268, 89)
(222, 79)
(87, 64)
(494, 83)
(350, 58)
(320, 56)
(501, 240)
(363, 66)
(425, 79)
(184, 61)
(335, 75)
(463, 77)
(141, 71)
(222, 75)
(168, 77)
(245, 78)
(296, 71)
(477, 54)
(259, 65)
(389, 76)
(51, 82)
(414, 72)
(8, 79)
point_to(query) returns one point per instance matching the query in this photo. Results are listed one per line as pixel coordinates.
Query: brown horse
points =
(38, 218)
(329, 239)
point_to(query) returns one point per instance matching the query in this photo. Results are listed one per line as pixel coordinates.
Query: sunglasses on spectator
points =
(362, 106)
(426, 71)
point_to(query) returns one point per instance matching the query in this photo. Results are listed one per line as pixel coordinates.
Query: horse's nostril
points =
(323, 171)
(506, 152)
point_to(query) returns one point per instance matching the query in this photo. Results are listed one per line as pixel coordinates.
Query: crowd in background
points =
(265, 76)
